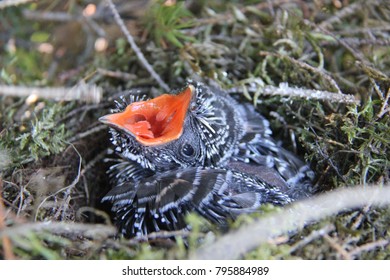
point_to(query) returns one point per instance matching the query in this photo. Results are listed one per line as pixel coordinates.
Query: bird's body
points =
(196, 151)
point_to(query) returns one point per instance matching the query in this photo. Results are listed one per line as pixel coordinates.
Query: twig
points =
(347, 11)
(8, 3)
(82, 92)
(82, 109)
(49, 16)
(359, 218)
(285, 90)
(235, 244)
(294, 92)
(97, 212)
(306, 66)
(368, 247)
(7, 245)
(356, 54)
(94, 231)
(65, 17)
(333, 243)
(312, 236)
(135, 48)
(66, 189)
(162, 235)
(363, 30)
(356, 42)
(93, 130)
(117, 74)
(385, 105)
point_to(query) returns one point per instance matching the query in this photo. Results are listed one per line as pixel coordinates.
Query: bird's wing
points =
(161, 202)
(260, 155)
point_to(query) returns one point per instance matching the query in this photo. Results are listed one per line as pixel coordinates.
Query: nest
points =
(318, 71)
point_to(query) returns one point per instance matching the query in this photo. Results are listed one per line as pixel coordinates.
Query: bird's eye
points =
(188, 150)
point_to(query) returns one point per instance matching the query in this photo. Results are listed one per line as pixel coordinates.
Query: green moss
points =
(236, 44)
(36, 138)
(166, 22)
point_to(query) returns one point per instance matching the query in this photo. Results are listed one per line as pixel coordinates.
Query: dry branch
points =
(312, 236)
(117, 74)
(236, 244)
(337, 247)
(94, 231)
(49, 16)
(368, 247)
(285, 90)
(135, 48)
(81, 92)
(294, 92)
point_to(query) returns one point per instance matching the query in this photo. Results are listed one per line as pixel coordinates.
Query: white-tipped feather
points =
(233, 166)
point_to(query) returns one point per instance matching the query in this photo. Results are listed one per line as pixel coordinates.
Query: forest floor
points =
(318, 70)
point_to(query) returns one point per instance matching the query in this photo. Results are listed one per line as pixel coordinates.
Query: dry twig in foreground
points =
(236, 244)
(96, 231)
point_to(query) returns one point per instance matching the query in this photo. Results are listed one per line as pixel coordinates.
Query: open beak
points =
(156, 121)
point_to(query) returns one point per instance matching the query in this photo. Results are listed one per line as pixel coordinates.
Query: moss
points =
(165, 23)
(238, 44)
(36, 138)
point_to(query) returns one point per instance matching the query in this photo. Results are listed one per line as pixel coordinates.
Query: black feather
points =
(234, 167)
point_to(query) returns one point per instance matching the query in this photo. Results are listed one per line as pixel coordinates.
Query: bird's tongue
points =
(156, 121)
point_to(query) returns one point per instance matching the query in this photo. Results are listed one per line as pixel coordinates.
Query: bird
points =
(196, 149)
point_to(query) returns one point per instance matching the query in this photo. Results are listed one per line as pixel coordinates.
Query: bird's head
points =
(193, 126)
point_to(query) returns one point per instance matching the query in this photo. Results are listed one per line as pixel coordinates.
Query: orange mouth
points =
(156, 121)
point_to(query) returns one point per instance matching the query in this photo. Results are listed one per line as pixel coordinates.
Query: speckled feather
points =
(224, 164)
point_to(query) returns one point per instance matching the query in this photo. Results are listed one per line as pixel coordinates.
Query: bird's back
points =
(236, 166)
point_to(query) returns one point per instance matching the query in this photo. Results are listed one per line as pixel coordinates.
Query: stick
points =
(285, 90)
(236, 244)
(135, 48)
(95, 231)
(82, 91)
